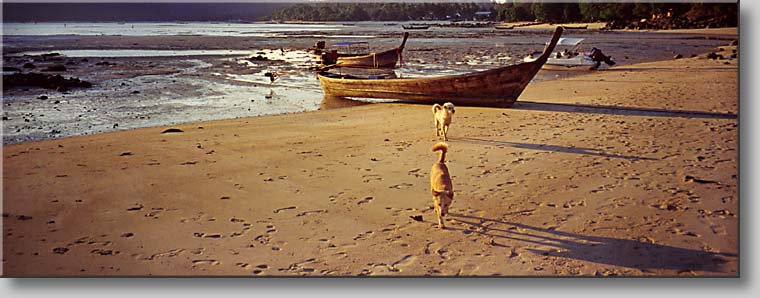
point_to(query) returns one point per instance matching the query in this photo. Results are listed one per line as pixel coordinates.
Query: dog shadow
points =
(555, 148)
(636, 254)
(618, 110)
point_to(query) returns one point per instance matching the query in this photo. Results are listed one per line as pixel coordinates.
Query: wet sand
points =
(630, 171)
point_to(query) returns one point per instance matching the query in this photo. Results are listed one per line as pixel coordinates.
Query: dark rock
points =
(678, 56)
(56, 67)
(735, 42)
(416, 217)
(106, 63)
(5, 117)
(28, 65)
(712, 55)
(8, 68)
(135, 92)
(42, 97)
(258, 58)
(56, 82)
(85, 60)
(70, 63)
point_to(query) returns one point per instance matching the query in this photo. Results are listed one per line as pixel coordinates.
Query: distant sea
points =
(253, 29)
(162, 29)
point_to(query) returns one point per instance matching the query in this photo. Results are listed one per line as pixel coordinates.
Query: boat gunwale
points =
(541, 60)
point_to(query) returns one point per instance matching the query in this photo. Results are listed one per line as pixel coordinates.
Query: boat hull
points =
(498, 87)
(386, 59)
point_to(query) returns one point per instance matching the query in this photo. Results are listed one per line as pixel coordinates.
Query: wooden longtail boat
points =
(415, 27)
(504, 27)
(385, 59)
(496, 87)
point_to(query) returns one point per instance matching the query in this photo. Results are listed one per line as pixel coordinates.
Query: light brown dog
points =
(440, 184)
(443, 115)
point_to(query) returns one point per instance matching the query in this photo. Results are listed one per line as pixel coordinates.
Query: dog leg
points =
(438, 211)
(445, 132)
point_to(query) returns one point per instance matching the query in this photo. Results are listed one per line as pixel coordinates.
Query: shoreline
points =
(123, 95)
(627, 172)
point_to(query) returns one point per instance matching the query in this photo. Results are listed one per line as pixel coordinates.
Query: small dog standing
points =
(443, 114)
(440, 184)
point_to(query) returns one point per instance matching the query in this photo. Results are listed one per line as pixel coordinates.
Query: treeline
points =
(380, 11)
(723, 14)
(607, 12)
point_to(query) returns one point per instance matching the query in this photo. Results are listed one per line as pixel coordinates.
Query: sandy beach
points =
(630, 171)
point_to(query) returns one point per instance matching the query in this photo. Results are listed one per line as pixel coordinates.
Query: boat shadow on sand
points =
(555, 148)
(631, 253)
(618, 110)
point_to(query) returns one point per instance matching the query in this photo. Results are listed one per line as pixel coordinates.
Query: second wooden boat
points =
(496, 87)
(385, 59)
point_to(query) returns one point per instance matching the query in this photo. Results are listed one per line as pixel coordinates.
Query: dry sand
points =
(629, 171)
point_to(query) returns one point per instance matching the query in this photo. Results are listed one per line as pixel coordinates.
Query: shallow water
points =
(110, 53)
(161, 29)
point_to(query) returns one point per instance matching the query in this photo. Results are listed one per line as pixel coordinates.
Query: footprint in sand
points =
(363, 236)
(138, 207)
(371, 177)
(365, 200)
(278, 210)
(401, 186)
(311, 212)
(205, 262)
(104, 252)
(204, 235)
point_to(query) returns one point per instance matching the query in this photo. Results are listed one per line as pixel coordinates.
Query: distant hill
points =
(137, 12)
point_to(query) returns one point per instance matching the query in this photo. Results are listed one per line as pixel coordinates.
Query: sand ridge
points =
(631, 171)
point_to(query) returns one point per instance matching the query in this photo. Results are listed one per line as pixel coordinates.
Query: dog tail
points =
(436, 107)
(444, 148)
